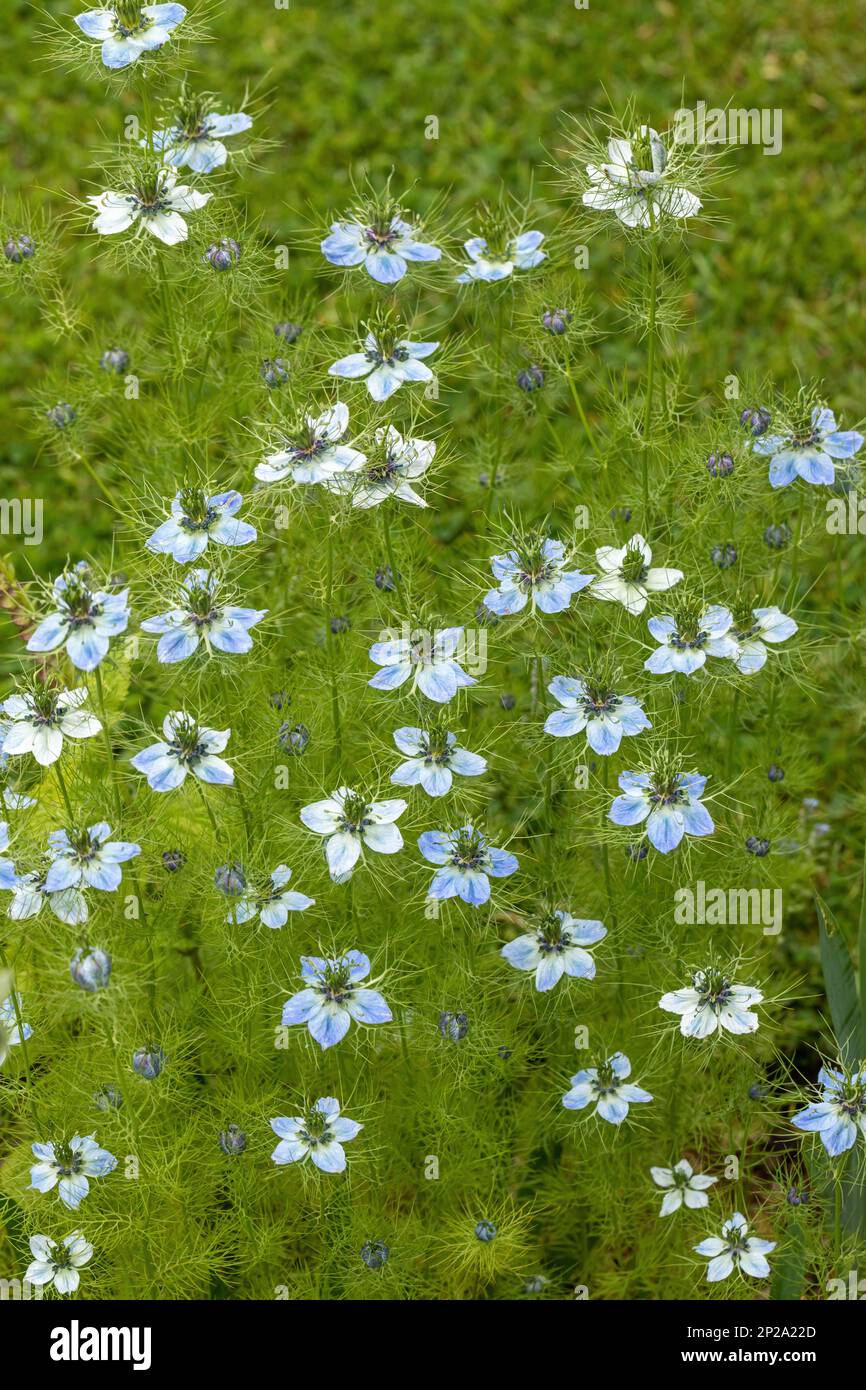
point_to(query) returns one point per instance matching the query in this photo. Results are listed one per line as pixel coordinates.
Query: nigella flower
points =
(67, 1166)
(683, 1185)
(382, 245)
(386, 363)
(351, 823)
(153, 203)
(87, 859)
(10, 1031)
(196, 520)
(752, 629)
(840, 1113)
(735, 1249)
(30, 895)
(334, 996)
(429, 662)
(434, 755)
(195, 138)
(128, 29)
(314, 453)
(590, 706)
(713, 1002)
(468, 862)
(38, 721)
(534, 572)
(627, 576)
(273, 905)
(187, 747)
(808, 452)
(83, 621)
(556, 947)
(390, 472)
(688, 636)
(495, 258)
(319, 1135)
(634, 184)
(668, 801)
(606, 1085)
(59, 1264)
(200, 617)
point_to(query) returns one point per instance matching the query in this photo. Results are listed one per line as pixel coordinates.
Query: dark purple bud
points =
(280, 699)
(720, 465)
(114, 360)
(776, 773)
(18, 249)
(797, 1198)
(453, 1026)
(374, 1253)
(293, 739)
(620, 513)
(530, 378)
(777, 537)
(486, 1231)
(723, 556)
(61, 415)
(556, 321)
(636, 852)
(108, 1098)
(90, 968)
(508, 701)
(288, 332)
(338, 625)
(222, 254)
(148, 1062)
(230, 879)
(233, 1141)
(758, 1091)
(173, 859)
(755, 420)
(273, 372)
(504, 1053)
(385, 579)
(534, 1284)
(760, 848)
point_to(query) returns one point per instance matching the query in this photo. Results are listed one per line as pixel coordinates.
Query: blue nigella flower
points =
(10, 1033)
(128, 29)
(556, 948)
(84, 621)
(314, 453)
(468, 862)
(197, 139)
(534, 573)
(433, 757)
(334, 996)
(383, 248)
(487, 263)
(273, 905)
(201, 618)
(187, 747)
(689, 637)
(196, 520)
(67, 1166)
(840, 1114)
(606, 1085)
(735, 1249)
(752, 633)
(350, 823)
(668, 802)
(590, 707)
(808, 454)
(386, 365)
(87, 859)
(427, 658)
(318, 1135)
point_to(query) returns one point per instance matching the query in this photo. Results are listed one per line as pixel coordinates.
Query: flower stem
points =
(329, 641)
(650, 378)
(19, 1020)
(61, 782)
(207, 806)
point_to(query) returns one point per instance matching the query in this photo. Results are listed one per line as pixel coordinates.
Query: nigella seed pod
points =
(636, 852)
(293, 739)
(530, 378)
(486, 1231)
(453, 1026)
(503, 1052)
(620, 513)
(280, 699)
(756, 421)
(148, 1062)
(108, 1098)
(758, 1091)
(723, 556)
(338, 625)
(374, 1253)
(231, 880)
(273, 372)
(507, 701)
(61, 415)
(797, 1198)
(556, 321)
(18, 249)
(173, 859)
(222, 254)
(384, 579)
(90, 968)
(777, 537)
(776, 773)
(232, 1141)
(720, 465)
(288, 332)
(534, 1284)
(114, 360)
(760, 848)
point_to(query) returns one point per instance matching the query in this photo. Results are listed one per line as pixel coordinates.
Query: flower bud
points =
(338, 625)
(530, 378)
(755, 420)
(280, 699)
(230, 879)
(556, 321)
(232, 1141)
(504, 1052)
(288, 332)
(293, 739)
(508, 701)
(108, 1098)
(61, 415)
(173, 859)
(776, 773)
(374, 1253)
(114, 360)
(18, 249)
(273, 372)
(222, 254)
(760, 848)
(486, 1231)
(720, 465)
(636, 852)
(91, 968)
(453, 1026)
(723, 556)
(148, 1062)
(777, 537)
(385, 579)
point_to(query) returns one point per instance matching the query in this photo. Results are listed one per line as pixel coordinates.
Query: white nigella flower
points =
(735, 1249)
(351, 823)
(628, 577)
(534, 573)
(29, 896)
(492, 262)
(58, 1264)
(38, 722)
(752, 631)
(713, 1002)
(187, 747)
(428, 661)
(318, 1135)
(635, 183)
(273, 905)
(434, 755)
(467, 862)
(333, 996)
(10, 1032)
(683, 1185)
(83, 621)
(809, 453)
(201, 618)
(127, 29)
(383, 246)
(590, 706)
(87, 859)
(195, 139)
(196, 521)
(390, 472)
(688, 636)
(556, 947)
(386, 364)
(608, 1087)
(155, 204)
(669, 802)
(314, 453)
(67, 1166)
(840, 1115)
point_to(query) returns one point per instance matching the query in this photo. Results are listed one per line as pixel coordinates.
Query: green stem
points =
(19, 1019)
(650, 377)
(732, 731)
(500, 416)
(578, 405)
(329, 641)
(61, 782)
(389, 547)
(207, 806)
